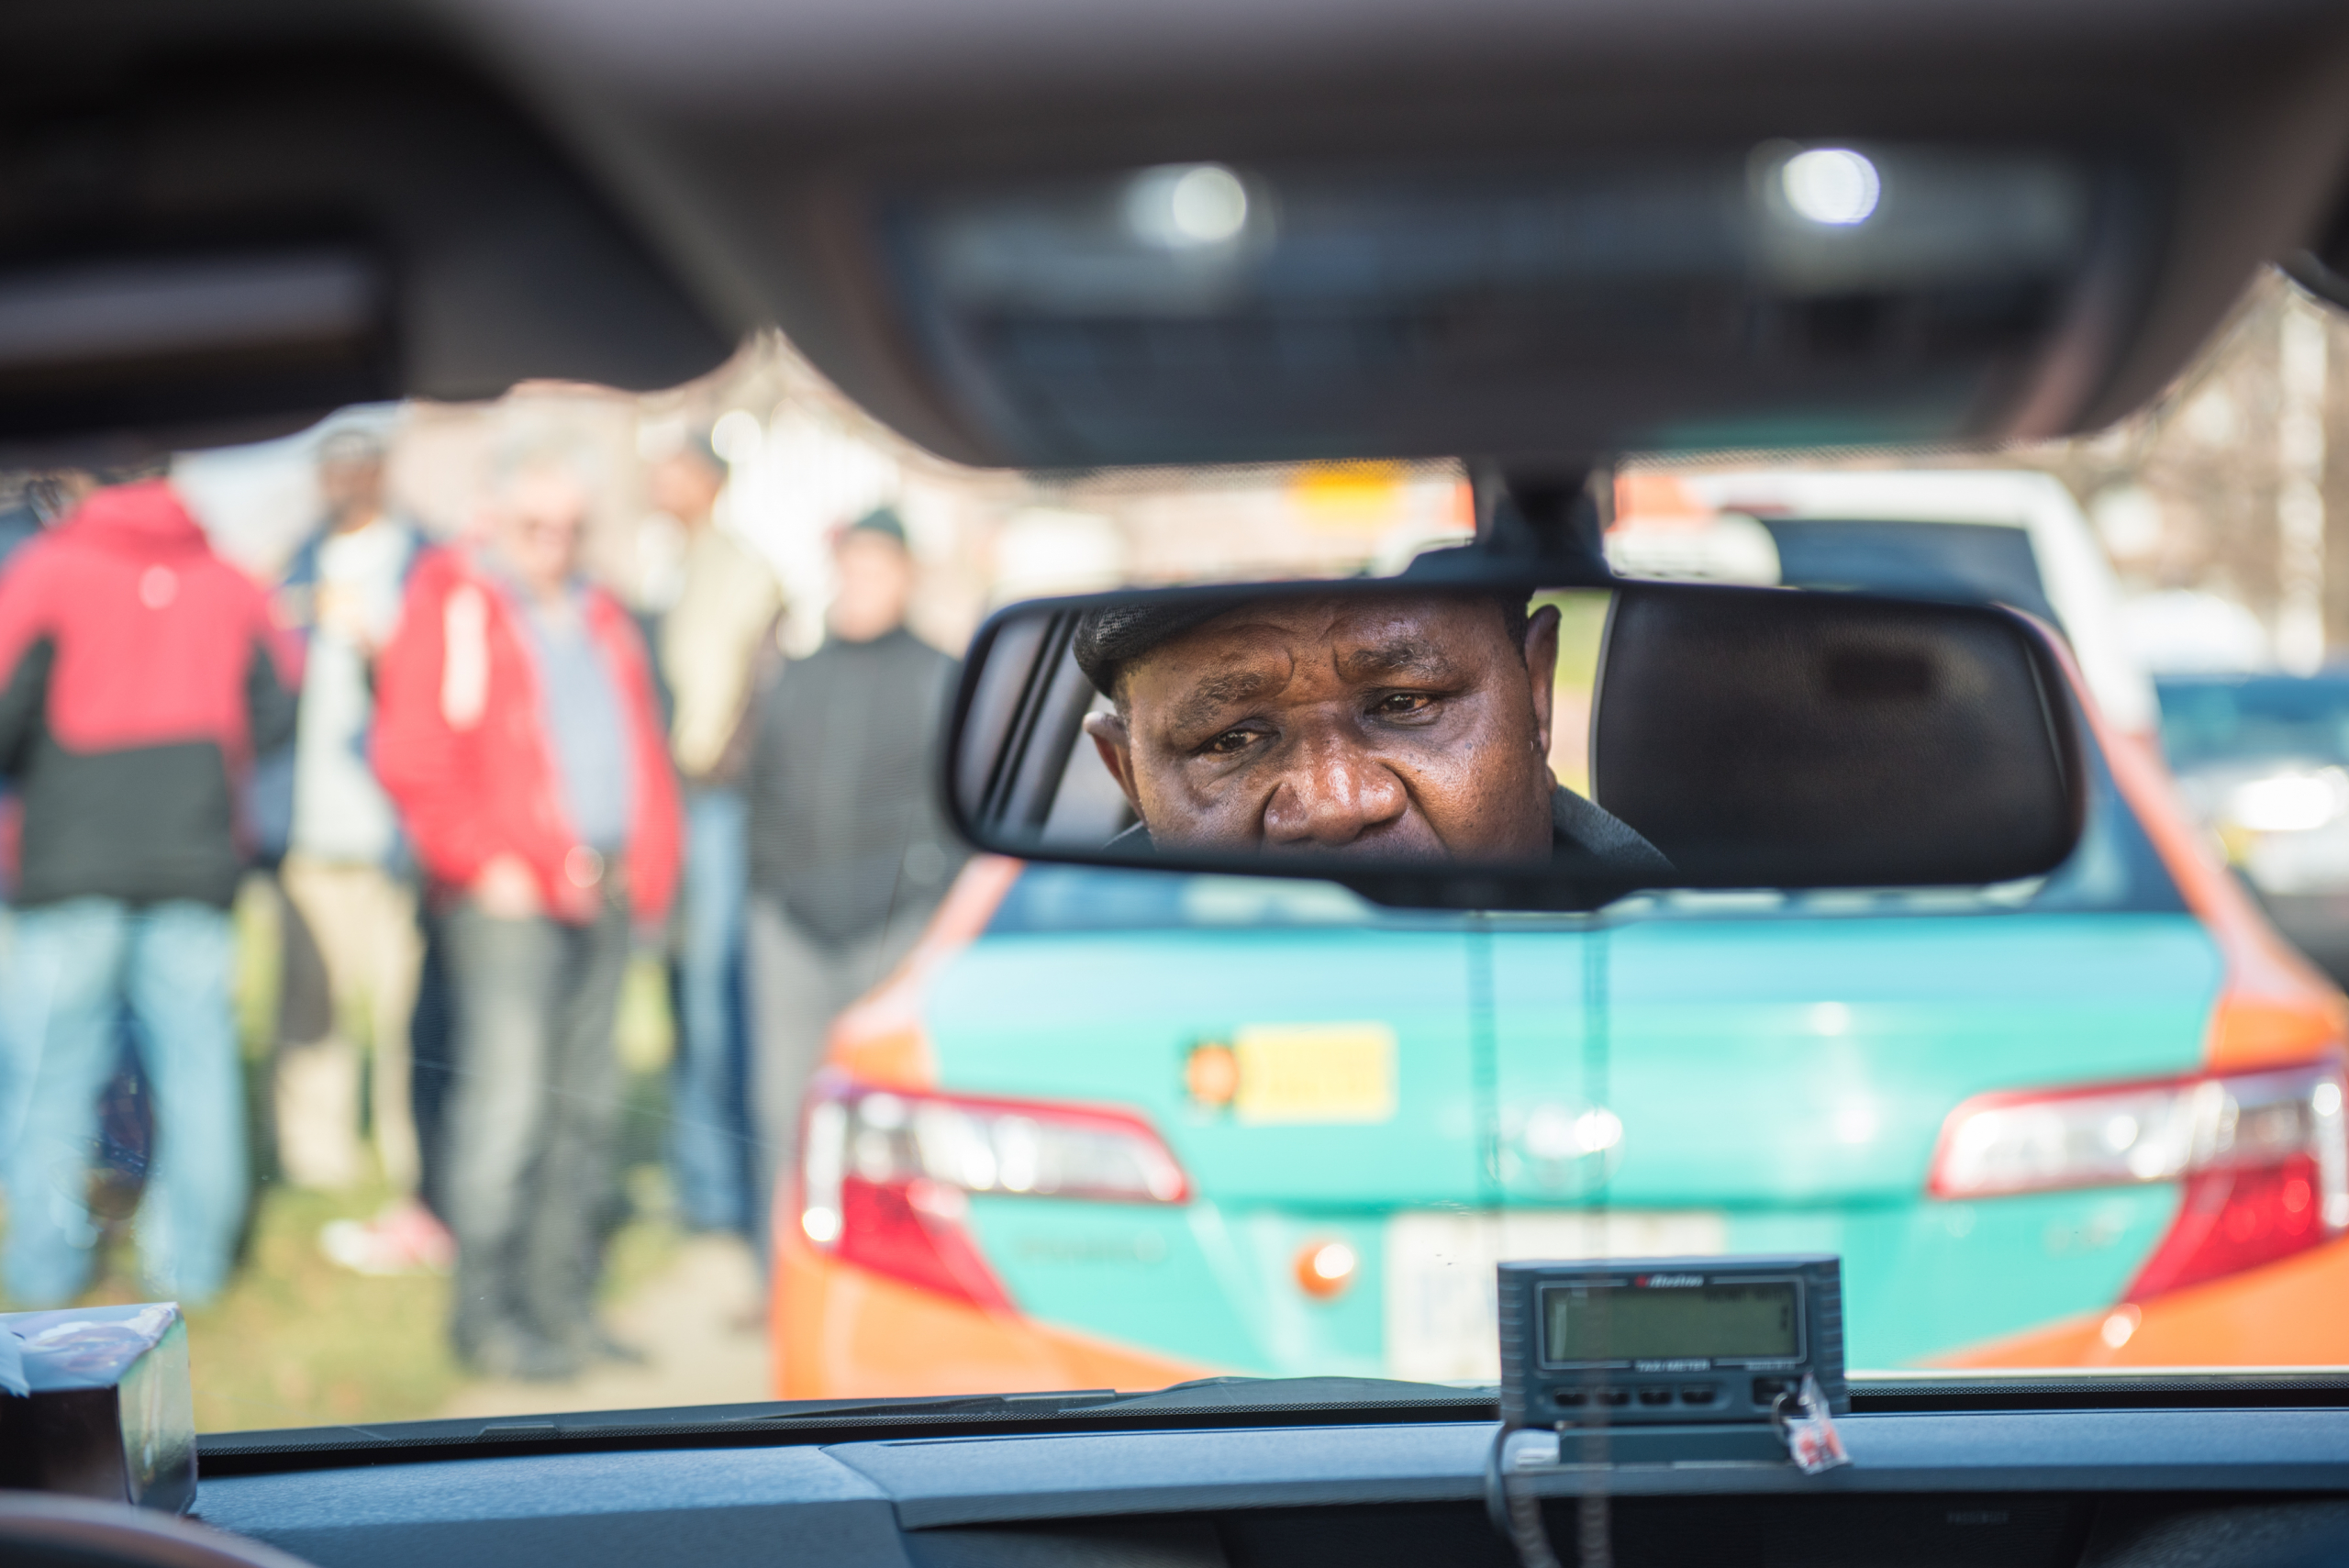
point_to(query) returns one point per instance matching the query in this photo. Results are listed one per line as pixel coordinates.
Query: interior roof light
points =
(1834, 186)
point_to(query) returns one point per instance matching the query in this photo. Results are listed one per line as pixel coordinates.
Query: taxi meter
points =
(1670, 1341)
(1660, 1361)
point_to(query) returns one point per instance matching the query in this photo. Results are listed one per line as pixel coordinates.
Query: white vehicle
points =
(2011, 535)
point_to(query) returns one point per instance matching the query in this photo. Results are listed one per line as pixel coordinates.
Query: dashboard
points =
(2262, 1483)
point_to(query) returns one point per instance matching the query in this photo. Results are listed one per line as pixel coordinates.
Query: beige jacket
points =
(711, 641)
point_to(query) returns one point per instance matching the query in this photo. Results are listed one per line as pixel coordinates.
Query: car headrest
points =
(1767, 738)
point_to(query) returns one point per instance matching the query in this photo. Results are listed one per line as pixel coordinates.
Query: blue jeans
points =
(709, 1125)
(69, 969)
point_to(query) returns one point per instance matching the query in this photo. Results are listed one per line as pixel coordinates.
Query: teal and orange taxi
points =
(1122, 1128)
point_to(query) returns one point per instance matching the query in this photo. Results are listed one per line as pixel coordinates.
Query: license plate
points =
(1442, 1318)
(1302, 1073)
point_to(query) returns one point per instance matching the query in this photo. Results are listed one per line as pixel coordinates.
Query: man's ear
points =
(1541, 669)
(1114, 742)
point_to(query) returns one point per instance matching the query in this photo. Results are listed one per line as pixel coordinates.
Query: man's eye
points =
(1228, 743)
(1397, 703)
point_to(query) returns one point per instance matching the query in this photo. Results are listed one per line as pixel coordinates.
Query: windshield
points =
(1929, 560)
(483, 936)
(2252, 718)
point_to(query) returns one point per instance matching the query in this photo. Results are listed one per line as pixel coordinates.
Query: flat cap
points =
(1116, 635)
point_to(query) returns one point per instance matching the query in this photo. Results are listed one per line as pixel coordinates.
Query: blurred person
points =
(138, 674)
(345, 872)
(32, 504)
(849, 854)
(518, 732)
(431, 1022)
(20, 523)
(710, 643)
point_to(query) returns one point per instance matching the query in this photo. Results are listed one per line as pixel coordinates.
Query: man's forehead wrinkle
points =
(1400, 653)
(1217, 691)
(1238, 665)
(1256, 651)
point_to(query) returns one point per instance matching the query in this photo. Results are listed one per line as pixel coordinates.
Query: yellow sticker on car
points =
(1325, 1073)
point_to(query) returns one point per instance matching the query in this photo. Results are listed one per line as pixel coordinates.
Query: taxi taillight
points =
(2262, 1157)
(887, 1175)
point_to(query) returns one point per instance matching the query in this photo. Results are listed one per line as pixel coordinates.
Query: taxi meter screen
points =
(1728, 1321)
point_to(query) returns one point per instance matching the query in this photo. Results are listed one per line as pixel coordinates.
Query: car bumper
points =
(840, 1331)
(2286, 1314)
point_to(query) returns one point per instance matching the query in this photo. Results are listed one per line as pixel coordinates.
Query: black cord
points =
(1496, 1484)
(1516, 1513)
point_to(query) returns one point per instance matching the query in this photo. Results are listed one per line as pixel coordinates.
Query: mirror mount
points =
(1549, 516)
(1544, 521)
(2317, 276)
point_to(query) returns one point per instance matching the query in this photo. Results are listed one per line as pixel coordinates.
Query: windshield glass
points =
(2249, 718)
(483, 936)
(1929, 560)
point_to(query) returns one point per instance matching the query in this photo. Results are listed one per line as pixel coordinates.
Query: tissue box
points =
(95, 1401)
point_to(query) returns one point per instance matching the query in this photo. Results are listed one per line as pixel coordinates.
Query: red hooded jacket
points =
(138, 674)
(460, 742)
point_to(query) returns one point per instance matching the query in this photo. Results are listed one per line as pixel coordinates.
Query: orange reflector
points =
(1324, 1269)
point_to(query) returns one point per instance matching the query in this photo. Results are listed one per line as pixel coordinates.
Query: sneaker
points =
(405, 1239)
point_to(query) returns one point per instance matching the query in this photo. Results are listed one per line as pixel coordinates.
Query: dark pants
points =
(799, 983)
(533, 1109)
(707, 1127)
(430, 1029)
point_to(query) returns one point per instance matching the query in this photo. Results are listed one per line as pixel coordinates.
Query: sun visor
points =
(192, 254)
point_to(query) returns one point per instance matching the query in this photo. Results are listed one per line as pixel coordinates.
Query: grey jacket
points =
(845, 830)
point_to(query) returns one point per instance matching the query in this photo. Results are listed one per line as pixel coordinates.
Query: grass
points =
(297, 1340)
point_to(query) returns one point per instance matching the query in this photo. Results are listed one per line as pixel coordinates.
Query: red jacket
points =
(139, 673)
(461, 744)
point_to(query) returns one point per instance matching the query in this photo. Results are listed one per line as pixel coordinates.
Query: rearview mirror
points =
(1489, 742)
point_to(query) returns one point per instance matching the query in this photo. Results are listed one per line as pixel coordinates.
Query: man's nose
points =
(1330, 795)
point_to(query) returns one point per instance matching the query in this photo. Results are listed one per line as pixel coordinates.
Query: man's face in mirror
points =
(1408, 725)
